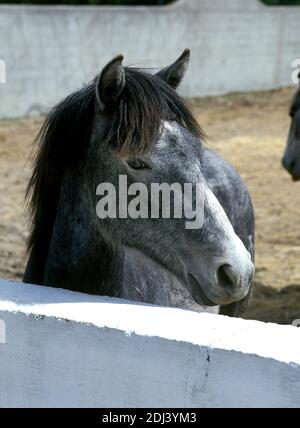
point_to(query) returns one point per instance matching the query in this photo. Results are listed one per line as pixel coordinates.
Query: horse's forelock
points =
(146, 102)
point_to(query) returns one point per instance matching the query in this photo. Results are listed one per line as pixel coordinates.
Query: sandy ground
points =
(250, 131)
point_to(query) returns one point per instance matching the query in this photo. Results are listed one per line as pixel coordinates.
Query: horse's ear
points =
(174, 74)
(111, 82)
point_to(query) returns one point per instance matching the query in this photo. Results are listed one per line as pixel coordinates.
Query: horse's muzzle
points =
(224, 280)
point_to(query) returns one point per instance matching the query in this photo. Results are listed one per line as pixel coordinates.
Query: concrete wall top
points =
(251, 337)
(65, 349)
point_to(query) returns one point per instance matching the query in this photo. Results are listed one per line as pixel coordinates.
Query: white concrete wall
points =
(237, 45)
(70, 349)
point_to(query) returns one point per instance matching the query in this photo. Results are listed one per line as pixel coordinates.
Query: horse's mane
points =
(62, 138)
(132, 127)
(146, 101)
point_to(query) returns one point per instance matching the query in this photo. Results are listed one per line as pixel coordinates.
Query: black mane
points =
(61, 140)
(132, 127)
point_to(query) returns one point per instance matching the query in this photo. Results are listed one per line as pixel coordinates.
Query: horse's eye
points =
(137, 164)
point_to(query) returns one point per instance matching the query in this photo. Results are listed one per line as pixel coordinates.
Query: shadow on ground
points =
(278, 306)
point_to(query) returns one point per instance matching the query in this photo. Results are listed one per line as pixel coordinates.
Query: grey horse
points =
(130, 123)
(291, 158)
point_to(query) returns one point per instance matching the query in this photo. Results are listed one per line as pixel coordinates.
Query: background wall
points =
(237, 45)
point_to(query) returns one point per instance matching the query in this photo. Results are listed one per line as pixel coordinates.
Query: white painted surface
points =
(2, 71)
(71, 349)
(237, 45)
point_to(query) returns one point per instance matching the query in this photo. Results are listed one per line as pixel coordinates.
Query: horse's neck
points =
(146, 281)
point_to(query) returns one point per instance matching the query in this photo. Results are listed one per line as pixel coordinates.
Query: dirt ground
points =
(250, 131)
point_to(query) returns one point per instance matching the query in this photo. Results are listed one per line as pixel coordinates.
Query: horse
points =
(132, 123)
(291, 158)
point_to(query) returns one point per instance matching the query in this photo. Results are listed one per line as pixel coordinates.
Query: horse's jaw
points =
(147, 281)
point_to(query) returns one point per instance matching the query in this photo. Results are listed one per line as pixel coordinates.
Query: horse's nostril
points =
(227, 277)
